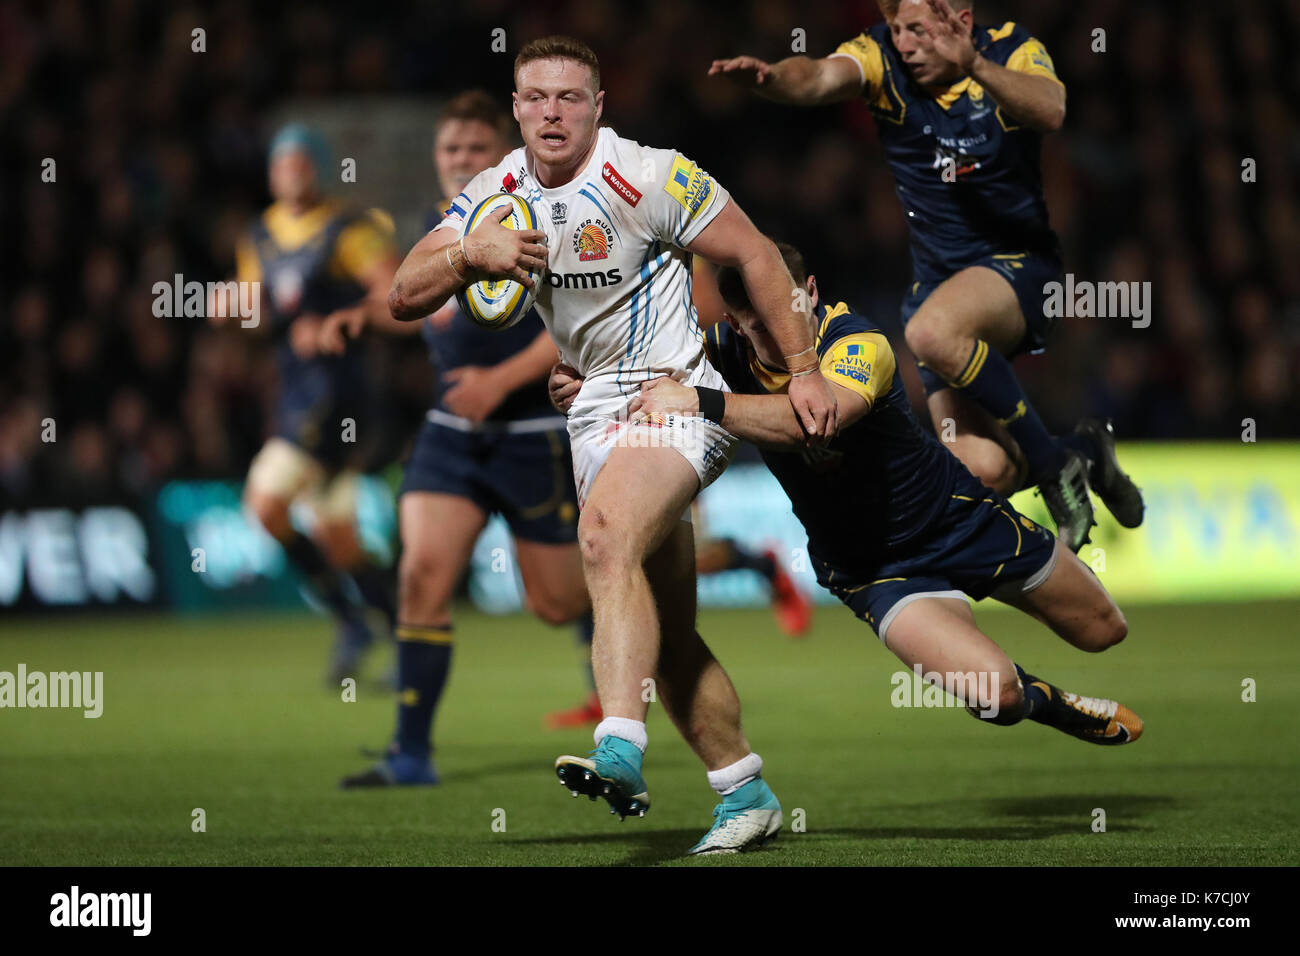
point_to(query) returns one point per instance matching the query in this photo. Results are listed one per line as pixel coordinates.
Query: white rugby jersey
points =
(616, 294)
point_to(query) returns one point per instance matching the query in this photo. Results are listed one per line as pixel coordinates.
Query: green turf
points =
(228, 714)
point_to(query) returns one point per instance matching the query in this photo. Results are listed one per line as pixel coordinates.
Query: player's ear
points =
(600, 105)
(813, 298)
(514, 105)
(731, 321)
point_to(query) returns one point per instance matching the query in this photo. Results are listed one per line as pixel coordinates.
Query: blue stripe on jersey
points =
(634, 306)
(601, 206)
(692, 314)
(652, 267)
(456, 209)
(649, 326)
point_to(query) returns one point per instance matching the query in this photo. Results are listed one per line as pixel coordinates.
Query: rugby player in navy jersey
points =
(491, 444)
(961, 110)
(317, 261)
(898, 528)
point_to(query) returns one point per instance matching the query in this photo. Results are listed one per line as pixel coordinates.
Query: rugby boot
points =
(1118, 493)
(612, 771)
(1066, 496)
(744, 820)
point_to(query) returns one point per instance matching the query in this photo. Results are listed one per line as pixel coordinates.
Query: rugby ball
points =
(499, 303)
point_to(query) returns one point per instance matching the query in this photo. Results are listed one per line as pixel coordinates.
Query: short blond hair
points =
(889, 8)
(560, 48)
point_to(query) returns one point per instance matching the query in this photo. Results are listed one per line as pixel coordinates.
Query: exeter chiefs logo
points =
(592, 240)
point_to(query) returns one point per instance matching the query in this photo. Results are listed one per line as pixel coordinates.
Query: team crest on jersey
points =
(559, 213)
(592, 240)
(509, 183)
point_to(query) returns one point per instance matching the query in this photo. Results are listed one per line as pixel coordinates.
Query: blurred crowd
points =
(159, 162)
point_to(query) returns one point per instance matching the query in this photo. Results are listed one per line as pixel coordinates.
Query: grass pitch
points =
(229, 715)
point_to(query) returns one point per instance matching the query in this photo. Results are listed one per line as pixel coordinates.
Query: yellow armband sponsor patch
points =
(689, 185)
(862, 362)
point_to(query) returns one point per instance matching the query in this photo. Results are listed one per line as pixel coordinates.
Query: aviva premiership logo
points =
(592, 240)
(689, 185)
(853, 361)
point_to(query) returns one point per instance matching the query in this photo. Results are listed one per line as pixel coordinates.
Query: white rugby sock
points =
(633, 731)
(730, 779)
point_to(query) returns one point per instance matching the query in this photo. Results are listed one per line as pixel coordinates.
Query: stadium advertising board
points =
(1222, 523)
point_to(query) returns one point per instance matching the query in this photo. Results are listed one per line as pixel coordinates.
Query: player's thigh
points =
(553, 583)
(279, 473)
(438, 534)
(335, 508)
(940, 635)
(977, 303)
(978, 440)
(635, 501)
(1072, 602)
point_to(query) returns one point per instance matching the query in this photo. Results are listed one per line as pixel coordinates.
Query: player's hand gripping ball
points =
(498, 303)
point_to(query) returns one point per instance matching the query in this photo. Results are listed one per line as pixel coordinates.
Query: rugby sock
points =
(423, 662)
(750, 561)
(586, 627)
(1038, 693)
(378, 589)
(1083, 444)
(1033, 704)
(324, 579)
(732, 778)
(625, 728)
(989, 379)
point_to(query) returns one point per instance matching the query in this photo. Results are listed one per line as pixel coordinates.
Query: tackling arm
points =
(768, 421)
(731, 240)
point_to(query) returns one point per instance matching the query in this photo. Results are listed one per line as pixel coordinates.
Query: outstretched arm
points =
(798, 80)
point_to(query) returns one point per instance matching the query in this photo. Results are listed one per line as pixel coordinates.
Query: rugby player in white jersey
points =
(619, 222)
